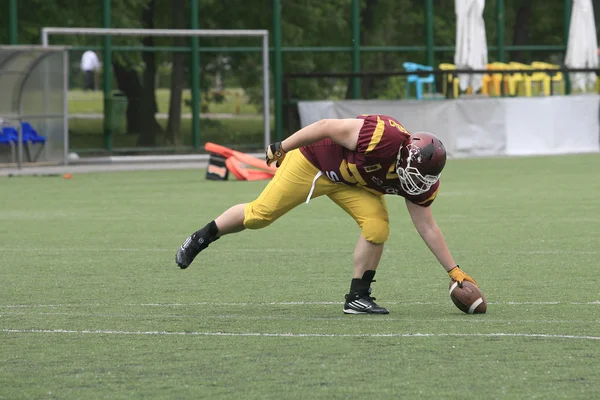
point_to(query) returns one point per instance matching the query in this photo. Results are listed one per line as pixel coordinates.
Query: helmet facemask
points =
(411, 180)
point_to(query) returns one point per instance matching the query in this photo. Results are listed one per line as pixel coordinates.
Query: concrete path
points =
(87, 168)
(183, 116)
(115, 164)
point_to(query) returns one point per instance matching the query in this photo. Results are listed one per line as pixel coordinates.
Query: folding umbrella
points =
(471, 43)
(582, 48)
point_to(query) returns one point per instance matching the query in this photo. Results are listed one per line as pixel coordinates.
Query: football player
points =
(354, 162)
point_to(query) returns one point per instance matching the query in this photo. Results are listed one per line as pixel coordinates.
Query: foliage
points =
(36, 14)
(304, 23)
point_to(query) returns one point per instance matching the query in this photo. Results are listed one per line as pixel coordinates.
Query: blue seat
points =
(10, 133)
(10, 136)
(418, 80)
(30, 134)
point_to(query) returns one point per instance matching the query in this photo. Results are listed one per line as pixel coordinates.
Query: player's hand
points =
(458, 275)
(275, 154)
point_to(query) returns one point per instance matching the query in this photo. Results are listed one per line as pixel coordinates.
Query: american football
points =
(469, 299)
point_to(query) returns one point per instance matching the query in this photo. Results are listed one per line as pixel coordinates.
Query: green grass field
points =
(93, 306)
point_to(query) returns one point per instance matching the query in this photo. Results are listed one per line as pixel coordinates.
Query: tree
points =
(304, 23)
(522, 28)
(36, 14)
(141, 94)
(178, 8)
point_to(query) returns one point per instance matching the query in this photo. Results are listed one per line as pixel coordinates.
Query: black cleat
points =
(194, 244)
(190, 249)
(186, 253)
(362, 304)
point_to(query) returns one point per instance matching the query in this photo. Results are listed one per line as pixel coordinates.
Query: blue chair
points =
(30, 136)
(418, 80)
(10, 136)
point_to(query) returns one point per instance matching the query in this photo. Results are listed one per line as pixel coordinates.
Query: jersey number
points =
(332, 176)
(398, 126)
(350, 173)
(392, 174)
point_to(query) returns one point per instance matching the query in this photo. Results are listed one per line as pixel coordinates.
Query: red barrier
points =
(236, 162)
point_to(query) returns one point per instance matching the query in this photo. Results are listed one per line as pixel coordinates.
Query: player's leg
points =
(366, 256)
(88, 81)
(231, 221)
(370, 213)
(289, 187)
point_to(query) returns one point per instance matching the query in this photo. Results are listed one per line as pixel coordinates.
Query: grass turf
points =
(92, 305)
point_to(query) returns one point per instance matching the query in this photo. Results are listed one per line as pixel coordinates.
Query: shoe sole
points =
(180, 264)
(355, 312)
(350, 311)
(179, 260)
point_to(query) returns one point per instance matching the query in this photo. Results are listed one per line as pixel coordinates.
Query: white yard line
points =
(263, 250)
(277, 317)
(284, 303)
(302, 335)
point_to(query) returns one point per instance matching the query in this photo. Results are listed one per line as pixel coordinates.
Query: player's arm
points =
(429, 230)
(342, 131)
(431, 234)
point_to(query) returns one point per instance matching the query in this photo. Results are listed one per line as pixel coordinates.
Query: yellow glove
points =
(275, 153)
(458, 275)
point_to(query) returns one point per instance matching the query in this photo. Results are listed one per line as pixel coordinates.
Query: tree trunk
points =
(521, 30)
(141, 95)
(177, 75)
(150, 127)
(128, 82)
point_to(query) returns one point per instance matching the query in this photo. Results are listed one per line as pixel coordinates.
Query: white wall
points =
(485, 126)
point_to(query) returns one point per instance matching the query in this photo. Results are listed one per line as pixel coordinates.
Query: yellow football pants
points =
(291, 186)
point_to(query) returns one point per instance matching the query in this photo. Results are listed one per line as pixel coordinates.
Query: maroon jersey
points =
(373, 164)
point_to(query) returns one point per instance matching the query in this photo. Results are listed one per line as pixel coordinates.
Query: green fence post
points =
(500, 30)
(278, 70)
(13, 22)
(355, 48)
(107, 75)
(429, 31)
(195, 75)
(567, 28)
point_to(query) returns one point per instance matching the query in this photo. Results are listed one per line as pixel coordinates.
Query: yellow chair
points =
(521, 82)
(496, 80)
(449, 78)
(545, 77)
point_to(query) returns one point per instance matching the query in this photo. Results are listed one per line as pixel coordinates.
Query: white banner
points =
(568, 124)
(485, 126)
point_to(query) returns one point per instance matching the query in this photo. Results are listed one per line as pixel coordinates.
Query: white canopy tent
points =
(582, 48)
(471, 42)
